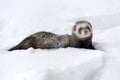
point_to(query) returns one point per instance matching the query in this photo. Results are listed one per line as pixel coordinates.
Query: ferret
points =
(81, 38)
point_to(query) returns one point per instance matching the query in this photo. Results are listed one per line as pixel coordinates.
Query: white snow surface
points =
(19, 19)
(61, 64)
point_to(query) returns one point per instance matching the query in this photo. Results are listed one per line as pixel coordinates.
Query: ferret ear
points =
(74, 28)
(90, 24)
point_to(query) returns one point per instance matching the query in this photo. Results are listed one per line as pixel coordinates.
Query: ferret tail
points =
(14, 48)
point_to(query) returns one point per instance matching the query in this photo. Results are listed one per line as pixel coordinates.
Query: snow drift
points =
(61, 64)
(19, 19)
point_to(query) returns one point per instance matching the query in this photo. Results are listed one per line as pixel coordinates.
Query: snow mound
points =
(58, 64)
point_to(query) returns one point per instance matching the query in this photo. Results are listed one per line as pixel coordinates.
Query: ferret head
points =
(82, 29)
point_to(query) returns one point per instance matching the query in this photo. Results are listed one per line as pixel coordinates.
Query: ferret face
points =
(82, 29)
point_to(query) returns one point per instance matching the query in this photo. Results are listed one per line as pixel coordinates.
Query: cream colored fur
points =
(83, 34)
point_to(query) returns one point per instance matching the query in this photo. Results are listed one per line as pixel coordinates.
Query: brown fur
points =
(81, 43)
(44, 40)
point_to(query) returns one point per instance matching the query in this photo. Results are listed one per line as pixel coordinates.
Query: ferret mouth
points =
(84, 35)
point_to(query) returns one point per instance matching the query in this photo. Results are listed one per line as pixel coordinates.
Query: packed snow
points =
(19, 19)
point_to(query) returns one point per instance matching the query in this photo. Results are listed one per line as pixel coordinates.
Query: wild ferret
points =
(81, 38)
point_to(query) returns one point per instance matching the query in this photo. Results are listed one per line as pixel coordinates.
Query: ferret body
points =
(44, 40)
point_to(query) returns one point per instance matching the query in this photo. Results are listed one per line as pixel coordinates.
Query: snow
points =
(19, 19)
(50, 64)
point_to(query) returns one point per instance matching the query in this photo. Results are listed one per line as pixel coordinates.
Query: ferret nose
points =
(86, 31)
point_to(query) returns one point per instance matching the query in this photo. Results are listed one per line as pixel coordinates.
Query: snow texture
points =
(19, 19)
